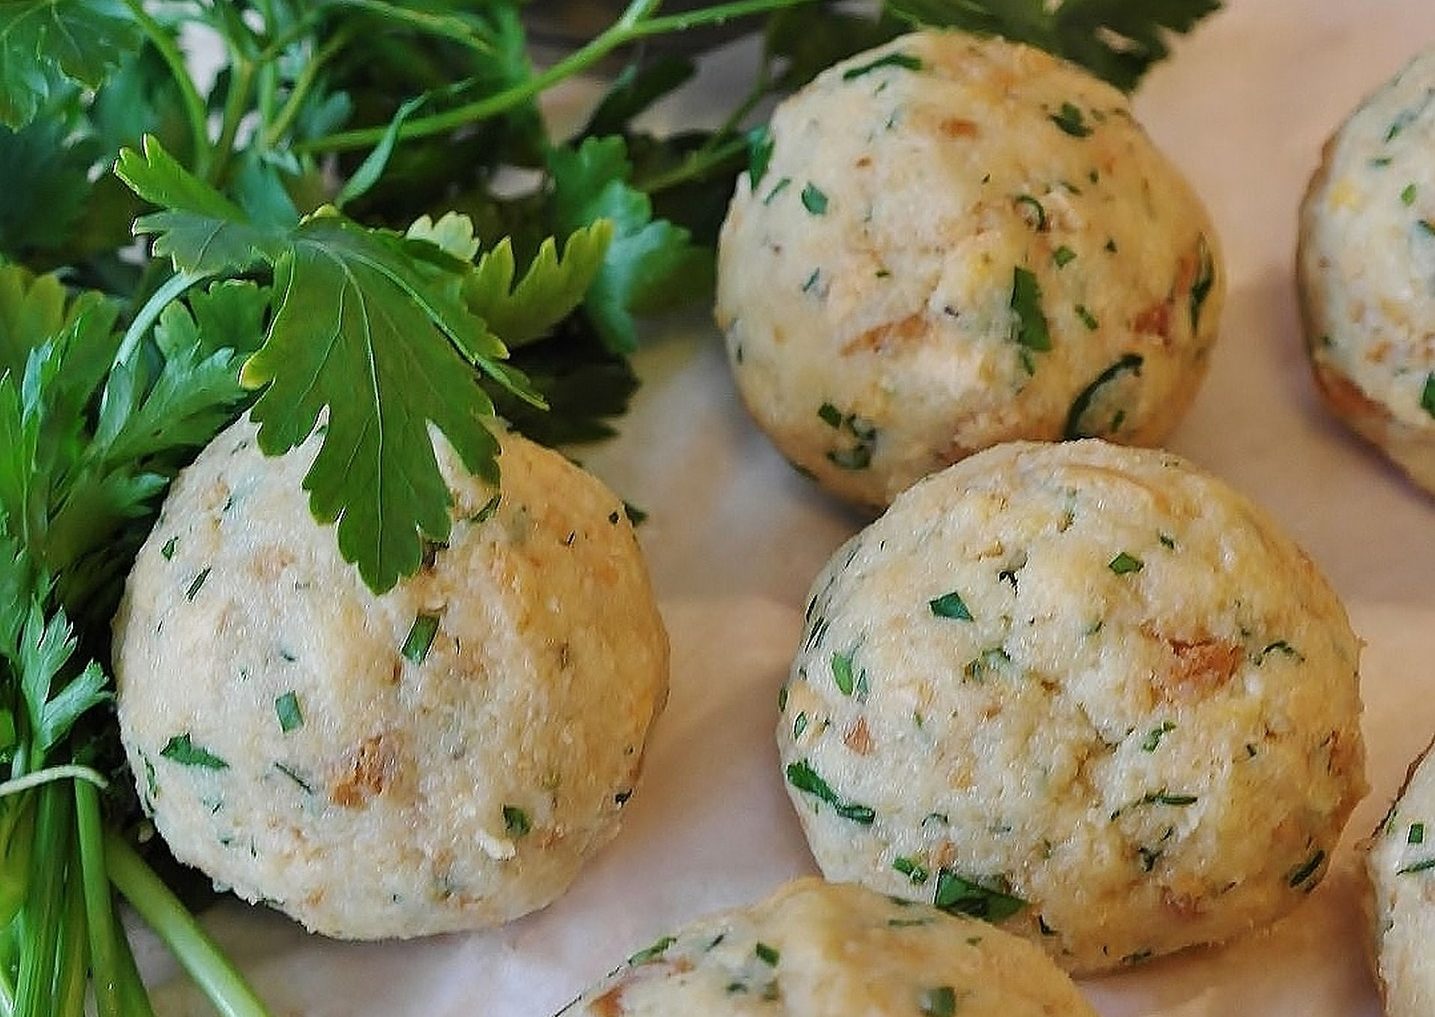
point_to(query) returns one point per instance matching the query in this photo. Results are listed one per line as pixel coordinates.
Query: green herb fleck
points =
(167, 551)
(915, 872)
(905, 61)
(1087, 318)
(636, 516)
(515, 821)
(1032, 211)
(768, 955)
(814, 200)
(842, 672)
(959, 896)
(1302, 873)
(1070, 120)
(1167, 798)
(1417, 834)
(801, 776)
(420, 638)
(1063, 256)
(950, 605)
(830, 415)
(1167, 541)
(303, 784)
(1204, 281)
(811, 282)
(195, 586)
(939, 1002)
(1427, 396)
(1424, 866)
(290, 716)
(1153, 739)
(1407, 196)
(1124, 563)
(1029, 327)
(1082, 403)
(759, 154)
(799, 725)
(777, 189)
(182, 750)
(485, 513)
(652, 953)
(1111, 245)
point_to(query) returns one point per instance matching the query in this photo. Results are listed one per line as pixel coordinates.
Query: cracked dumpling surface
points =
(1400, 864)
(1081, 689)
(440, 757)
(1366, 264)
(956, 242)
(816, 949)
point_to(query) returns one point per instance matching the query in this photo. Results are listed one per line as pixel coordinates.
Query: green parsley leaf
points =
(1125, 563)
(1029, 327)
(904, 61)
(814, 199)
(960, 896)
(290, 716)
(182, 750)
(842, 673)
(515, 821)
(759, 151)
(549, 290)
(42, 42)
(950, 605)
(802, 776)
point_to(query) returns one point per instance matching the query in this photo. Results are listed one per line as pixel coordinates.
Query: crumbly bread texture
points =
(1084, 690)
(957, 242)
(816, 949)
(1401, 865)
(1366, 264)
(440, 757)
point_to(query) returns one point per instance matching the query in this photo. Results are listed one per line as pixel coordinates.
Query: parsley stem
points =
(236, 105)
(72, 978)
(150, 312)
(302, 84)
(433, 24)
(220, 981)
(189, 96)
(99, 909)
(635, 23)
(695, 165)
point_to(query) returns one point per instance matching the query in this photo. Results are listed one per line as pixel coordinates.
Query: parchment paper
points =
(735, 537)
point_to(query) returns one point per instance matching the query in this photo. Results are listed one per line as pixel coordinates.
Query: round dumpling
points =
(954, 242)
(816, 949)
(440, 757)
(1082, 690)
(1401, 867)
(1366, 265)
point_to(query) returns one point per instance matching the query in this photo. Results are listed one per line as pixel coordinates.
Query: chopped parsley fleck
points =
(420, 638)
(652, 953)
(905, 61)
(636, 516)
(1124, 563)
(799, 725)
(167, 551)
(195, 586)
(1417, 834)
(1167, 541)
(1427, 396)
(959, 896)
(812, 280)
(1204, 281)
(803, 777)
(1149, 857)
(777, 189)
(1070, 120)
(1063, 256)
(830, 415)
(1131, 362)
(290, 716)
(303, 784)
(1279, 646)
(1405, 119)
(1087, 318)
(182, 750)
(1301, 875)
(1111, 245)
(485, 513)
(859, 456)
(767, 954)
(814, 200)
(842, 672)
(1153, 739)
(1029, 327)
(1032, 211)
(991, 661)
(939, 1002)
(1167, 798)
(950, 605)
(1424, 866)
(515, 821)
(759, 154)
(1407, 196)
(915, 872)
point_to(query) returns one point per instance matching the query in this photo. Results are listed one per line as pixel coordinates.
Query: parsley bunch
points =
(330, 236)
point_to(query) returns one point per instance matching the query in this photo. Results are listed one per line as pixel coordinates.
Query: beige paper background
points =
(735, 537)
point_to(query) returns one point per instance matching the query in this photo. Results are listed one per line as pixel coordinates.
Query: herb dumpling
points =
(1082, 690)
(954, 242)
(816, 949)
(441, 757)
(1366, 261)
(1401, 867)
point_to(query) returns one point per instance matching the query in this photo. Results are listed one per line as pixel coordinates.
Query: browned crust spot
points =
(958, 127)
(370, 770)
(1199, 667)
(878, 339)
(858, 738)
